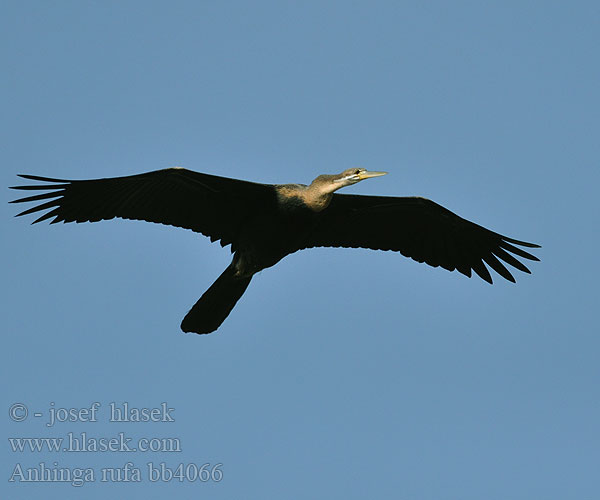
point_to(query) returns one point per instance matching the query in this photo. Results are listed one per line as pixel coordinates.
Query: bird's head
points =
(327, 184)
(354, 175)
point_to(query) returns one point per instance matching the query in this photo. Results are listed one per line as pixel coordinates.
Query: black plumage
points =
(263, 223)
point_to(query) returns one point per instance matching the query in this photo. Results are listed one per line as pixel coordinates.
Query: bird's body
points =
(263, 223)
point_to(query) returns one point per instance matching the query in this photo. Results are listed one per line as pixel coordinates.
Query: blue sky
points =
(341, 373)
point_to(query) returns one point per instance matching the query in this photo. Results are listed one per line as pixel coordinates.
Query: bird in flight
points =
(265, 222)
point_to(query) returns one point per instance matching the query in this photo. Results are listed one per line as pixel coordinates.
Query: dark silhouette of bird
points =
(265, 222)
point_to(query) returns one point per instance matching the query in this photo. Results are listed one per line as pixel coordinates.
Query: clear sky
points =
(341, 373)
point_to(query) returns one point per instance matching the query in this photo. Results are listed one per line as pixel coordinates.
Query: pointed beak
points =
(368, 175)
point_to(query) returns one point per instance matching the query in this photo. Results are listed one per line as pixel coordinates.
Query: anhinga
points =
(265, 222)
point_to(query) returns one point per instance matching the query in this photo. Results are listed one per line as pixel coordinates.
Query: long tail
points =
(216, 303)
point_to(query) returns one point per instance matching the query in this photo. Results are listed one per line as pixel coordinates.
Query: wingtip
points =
(41, 178)
(27, 176)
(521, 243)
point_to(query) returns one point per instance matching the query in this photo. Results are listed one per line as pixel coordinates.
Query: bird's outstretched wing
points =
(420, 229)
(214, 206)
